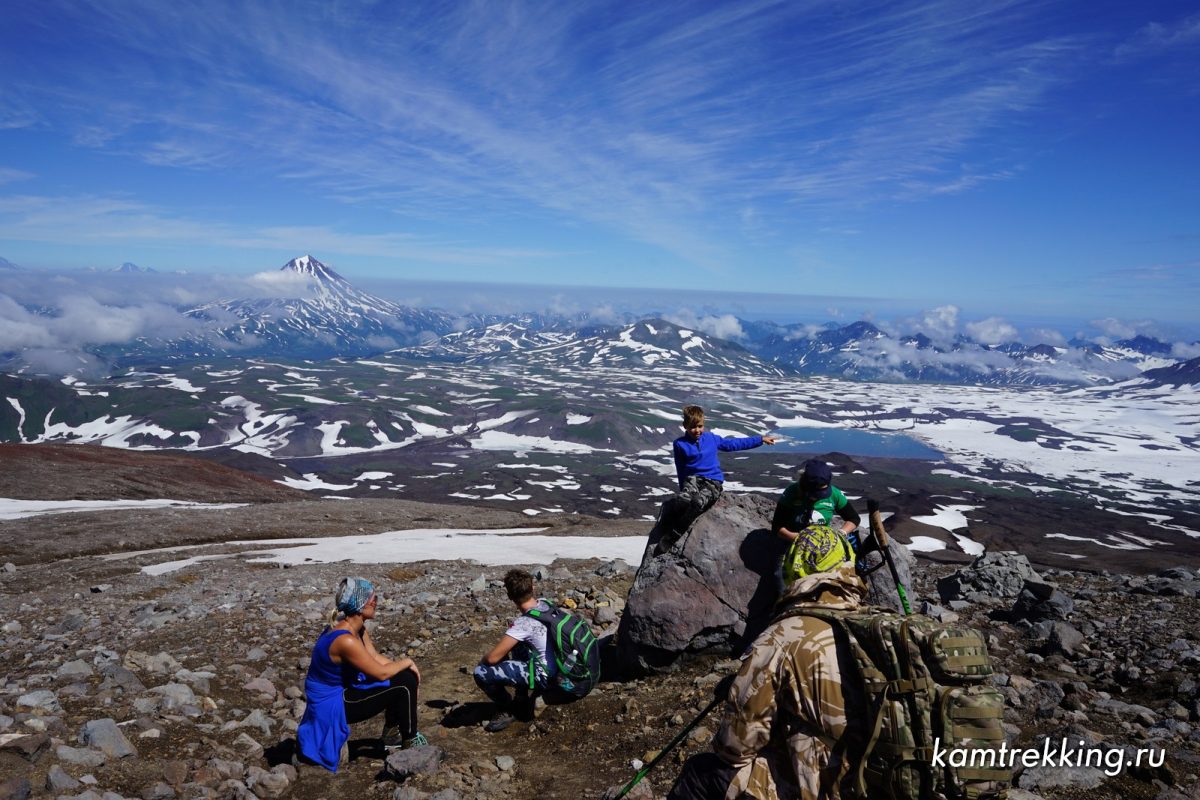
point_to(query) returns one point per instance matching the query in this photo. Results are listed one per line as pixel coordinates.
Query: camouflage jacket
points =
(786, 701)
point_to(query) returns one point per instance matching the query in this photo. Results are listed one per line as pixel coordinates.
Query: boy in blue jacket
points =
(701, 480)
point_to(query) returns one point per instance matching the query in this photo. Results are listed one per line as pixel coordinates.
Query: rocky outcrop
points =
(714, 589)
(698, 596)
(998, 574)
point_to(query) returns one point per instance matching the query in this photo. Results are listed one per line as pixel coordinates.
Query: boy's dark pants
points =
(696, 496)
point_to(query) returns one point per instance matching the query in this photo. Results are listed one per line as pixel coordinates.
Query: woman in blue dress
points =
(349, 681)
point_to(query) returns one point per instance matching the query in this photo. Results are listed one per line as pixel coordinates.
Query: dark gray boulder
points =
(1064, 640)
(1039, 601)
(994, 574)
(713, 590)
(698, 596)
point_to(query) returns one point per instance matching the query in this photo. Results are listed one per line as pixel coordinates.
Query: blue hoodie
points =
(700, 457)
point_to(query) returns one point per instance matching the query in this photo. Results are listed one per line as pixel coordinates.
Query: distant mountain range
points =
(647, 343)
(326, 317)
(861, 351)
(1182, 374)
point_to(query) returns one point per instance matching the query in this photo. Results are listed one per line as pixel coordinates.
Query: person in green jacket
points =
(812, 499)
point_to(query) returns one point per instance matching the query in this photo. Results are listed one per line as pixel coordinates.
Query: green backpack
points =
(921, 681)
(575, 650)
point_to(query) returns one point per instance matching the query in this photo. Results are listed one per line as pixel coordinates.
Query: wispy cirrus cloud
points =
(657, 125)
(109, 219)
(10, 175)
(1159, 37)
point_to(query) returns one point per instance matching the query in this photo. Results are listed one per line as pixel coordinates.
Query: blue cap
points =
(815, 479)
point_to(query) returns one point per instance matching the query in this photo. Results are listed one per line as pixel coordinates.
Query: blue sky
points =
(1025, 159)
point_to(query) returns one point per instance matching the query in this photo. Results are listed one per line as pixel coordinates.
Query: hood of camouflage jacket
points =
(838, 588)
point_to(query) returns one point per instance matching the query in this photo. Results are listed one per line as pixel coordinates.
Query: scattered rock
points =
(414, 761)
(257, 719)
(105, 736)
(1065, 640)
(42, 700)
(87, 759)
(247, 746)
(158, 791)
(263, 783)
(58, 781)
(174, 696)
(29, 748)
(74, 670)
(16, 789)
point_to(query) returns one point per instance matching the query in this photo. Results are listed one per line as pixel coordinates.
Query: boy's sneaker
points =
(499, 723)
(418, 740)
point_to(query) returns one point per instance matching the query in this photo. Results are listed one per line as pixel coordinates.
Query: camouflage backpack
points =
(927, 694)
(573, 646)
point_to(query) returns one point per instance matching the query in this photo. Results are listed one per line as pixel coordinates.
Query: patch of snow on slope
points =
(20, 417)
(173, 382)
(312, 481)
(491, 548)
(499, 440)
(20, 509)
(112, 432)
(925, 544)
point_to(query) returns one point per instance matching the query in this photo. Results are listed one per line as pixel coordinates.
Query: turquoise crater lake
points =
(853, 442)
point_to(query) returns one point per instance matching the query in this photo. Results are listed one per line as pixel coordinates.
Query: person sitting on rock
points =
(812, 499)
(349, 681)
(791, 681)
(701, 480)
(520, 659)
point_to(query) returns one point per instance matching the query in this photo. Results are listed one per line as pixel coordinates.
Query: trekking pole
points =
(876, 522)
(670, 746)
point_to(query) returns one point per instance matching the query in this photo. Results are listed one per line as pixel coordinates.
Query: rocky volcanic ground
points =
(188, 684)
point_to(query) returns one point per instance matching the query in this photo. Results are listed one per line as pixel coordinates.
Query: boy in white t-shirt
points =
(523, 647)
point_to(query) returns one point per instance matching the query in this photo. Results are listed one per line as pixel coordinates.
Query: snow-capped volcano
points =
(323, 277)
(318, 315)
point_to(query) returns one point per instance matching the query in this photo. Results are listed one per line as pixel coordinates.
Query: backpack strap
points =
(535, 658)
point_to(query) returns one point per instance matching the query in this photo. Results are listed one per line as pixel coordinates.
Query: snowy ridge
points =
(861, 351)
(648, 343)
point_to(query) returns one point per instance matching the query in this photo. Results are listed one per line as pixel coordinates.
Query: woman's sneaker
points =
(418, 740)
(390, 738)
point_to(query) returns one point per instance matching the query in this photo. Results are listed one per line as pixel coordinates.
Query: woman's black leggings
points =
(397, 700)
